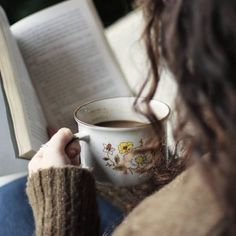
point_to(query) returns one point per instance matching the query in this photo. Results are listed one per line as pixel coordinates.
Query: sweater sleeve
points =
(63, 201)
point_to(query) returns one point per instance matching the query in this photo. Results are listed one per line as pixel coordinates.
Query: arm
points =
(62, 195)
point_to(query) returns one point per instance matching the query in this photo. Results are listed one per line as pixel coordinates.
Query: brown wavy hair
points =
(196, 39)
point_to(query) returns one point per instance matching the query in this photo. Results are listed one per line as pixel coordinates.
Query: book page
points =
(27, 115)
(68, 59)
(125, 39)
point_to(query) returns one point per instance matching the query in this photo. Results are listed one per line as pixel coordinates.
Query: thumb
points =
(60, 139)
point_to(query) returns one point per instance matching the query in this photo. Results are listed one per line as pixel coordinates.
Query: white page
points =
(125, 39)
(27, 115)
(68, 59)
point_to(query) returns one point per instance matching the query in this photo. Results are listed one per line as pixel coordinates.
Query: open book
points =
(53, 61)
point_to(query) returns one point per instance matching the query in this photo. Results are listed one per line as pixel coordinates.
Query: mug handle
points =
(81, 136)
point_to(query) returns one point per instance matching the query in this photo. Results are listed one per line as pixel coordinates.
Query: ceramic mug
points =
(109, 152)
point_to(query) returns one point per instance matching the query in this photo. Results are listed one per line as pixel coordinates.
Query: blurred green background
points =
(109, 10)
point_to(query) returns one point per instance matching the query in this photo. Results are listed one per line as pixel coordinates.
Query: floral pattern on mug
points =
(108, 148)
(127, 158)
(125, 147)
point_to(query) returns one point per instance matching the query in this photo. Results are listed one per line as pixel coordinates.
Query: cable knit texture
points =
(63, 202)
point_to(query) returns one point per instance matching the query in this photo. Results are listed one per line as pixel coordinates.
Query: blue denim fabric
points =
(110, 216)
(16, 218)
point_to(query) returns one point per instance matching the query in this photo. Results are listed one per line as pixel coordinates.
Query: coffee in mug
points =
(120, 124)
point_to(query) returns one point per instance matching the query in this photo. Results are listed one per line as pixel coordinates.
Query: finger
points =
(71, 153)
(75, 161)
(60, 139)
(73, 149)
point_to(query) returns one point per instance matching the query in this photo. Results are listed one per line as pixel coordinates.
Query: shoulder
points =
(186, 206)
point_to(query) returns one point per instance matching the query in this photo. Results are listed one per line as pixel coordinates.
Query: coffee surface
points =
(120, 124)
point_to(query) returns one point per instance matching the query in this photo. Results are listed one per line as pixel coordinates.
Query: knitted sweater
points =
(63, 203)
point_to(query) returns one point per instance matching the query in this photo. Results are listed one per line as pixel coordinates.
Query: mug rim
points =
(117, 128)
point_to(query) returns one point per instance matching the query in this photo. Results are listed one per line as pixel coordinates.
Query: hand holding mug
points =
(59, 151)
